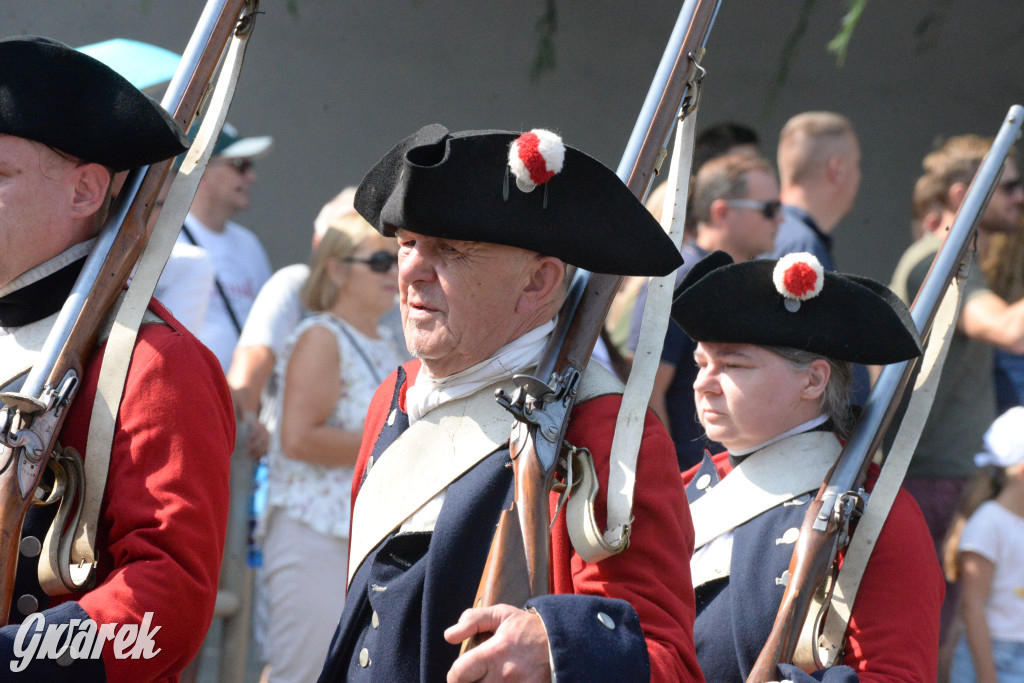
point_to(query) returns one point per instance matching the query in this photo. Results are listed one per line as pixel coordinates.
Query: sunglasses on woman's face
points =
(379, 261)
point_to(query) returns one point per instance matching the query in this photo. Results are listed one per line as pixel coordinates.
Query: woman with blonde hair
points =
(329, 370)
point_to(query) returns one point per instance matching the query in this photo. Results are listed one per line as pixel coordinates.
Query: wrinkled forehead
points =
(469, 245)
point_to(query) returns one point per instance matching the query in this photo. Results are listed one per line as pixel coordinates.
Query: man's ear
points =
(90, 182)
(543, 284)
(818, 373)
(835, 168)
(955, 195)
(718, 210)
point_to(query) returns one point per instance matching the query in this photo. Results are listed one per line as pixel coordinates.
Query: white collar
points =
(799, 429)
(47, 268)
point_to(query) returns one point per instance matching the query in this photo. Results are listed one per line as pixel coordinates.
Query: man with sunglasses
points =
(240, 263)
(964, 404)
(735, 203)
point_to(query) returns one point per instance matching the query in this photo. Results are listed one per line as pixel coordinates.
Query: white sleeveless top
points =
(316, 495)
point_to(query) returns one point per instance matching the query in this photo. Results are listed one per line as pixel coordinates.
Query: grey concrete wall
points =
(341, 81)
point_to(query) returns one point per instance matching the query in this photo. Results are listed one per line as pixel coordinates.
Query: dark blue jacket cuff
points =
(593, 638)
(837, 674)
(32, 649)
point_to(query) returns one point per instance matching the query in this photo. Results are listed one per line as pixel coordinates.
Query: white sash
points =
(436, 450)
(775, 474)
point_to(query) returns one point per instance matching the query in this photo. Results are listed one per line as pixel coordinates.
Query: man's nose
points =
(414, 265)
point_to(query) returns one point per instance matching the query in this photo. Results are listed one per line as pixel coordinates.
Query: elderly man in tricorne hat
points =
(482, 275)
(67, 122)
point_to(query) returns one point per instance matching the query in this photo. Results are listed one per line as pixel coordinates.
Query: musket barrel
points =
(642, 128)
(93, 267)
(880, 406)
(882, 403)
(652, 120)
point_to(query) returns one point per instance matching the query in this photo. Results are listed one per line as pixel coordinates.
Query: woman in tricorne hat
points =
(775, 344)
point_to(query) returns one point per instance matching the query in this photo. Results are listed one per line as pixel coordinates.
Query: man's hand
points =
(517, 650)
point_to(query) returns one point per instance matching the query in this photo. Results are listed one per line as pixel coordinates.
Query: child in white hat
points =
(987, 555)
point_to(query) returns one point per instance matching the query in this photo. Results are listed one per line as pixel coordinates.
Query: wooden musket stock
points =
(54, 380)
(517, 566)
(825, 523)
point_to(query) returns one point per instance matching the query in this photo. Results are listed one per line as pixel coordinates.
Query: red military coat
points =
(164, 513)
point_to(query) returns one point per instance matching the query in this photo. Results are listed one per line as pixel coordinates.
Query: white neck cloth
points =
(518, 355)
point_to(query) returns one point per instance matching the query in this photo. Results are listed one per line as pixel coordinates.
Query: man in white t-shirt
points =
(240, 262)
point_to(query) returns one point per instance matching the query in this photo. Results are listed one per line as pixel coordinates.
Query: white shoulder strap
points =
(825, 650)
(592, 543)
(780, 472)
(435, 451)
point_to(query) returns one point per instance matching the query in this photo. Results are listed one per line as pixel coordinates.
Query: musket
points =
(517, 565)
(31, 420)
(825, 528)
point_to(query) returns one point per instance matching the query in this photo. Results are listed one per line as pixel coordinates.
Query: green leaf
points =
(841, 43)
(547, 27)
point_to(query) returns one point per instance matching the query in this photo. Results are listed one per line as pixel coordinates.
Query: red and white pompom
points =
(535, 157)
(799, 276)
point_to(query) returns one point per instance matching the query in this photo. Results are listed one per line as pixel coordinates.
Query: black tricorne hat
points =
(54, 94)
(458, 186)
(793, 302)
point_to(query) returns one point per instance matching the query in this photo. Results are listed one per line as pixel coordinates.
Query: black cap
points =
(457, 186)
(53, 94)
(795, 304)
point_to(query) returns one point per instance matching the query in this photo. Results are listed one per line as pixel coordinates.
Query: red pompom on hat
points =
(535, 157)
(799, 276)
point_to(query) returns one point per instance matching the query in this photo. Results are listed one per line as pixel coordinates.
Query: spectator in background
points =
(736, 203)
(927, 205)
(1003, 265)
(329, 369)
(964, 404)
(240, 263)
(255, 387)
(985, 552)
(819, 172)
(723, 138)
(273, 317)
